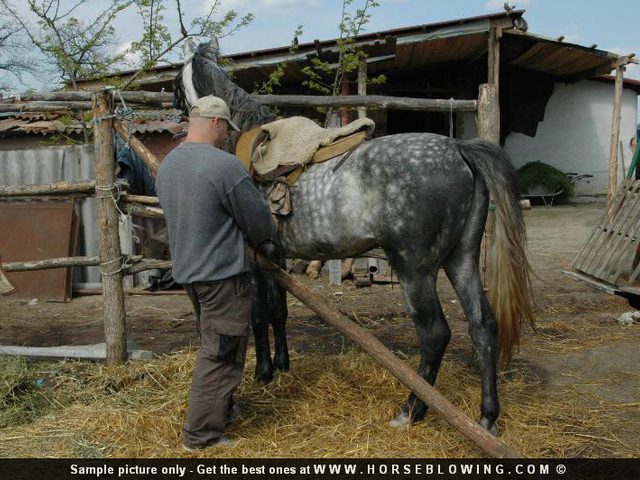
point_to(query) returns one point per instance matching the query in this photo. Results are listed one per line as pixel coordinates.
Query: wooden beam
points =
(615, 134)
(142, 199)
(56, 188)
(148, 264)
(489, 443)
(137, 146)
(62, 262)
(369, 101)
(354, 101)
(43, 106)
(139, 210)
(108, 230)
(157, 98)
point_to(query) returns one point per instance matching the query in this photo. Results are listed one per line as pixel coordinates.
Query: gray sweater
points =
(210, 204)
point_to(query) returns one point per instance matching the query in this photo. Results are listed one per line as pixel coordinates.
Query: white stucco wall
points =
(575, 133)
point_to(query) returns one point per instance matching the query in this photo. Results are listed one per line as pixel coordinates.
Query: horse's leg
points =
(433, 335)
(464, 274)
(279, 312)
(462, 268)
(260, 325)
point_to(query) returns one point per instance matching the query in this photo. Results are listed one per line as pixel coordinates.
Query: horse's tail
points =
(509, 284)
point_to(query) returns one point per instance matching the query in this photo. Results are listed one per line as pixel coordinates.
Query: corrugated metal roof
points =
(45, 123)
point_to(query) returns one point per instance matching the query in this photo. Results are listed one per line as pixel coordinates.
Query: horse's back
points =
(389, 190)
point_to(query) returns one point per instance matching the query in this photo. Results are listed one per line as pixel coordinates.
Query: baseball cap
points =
(211, 107)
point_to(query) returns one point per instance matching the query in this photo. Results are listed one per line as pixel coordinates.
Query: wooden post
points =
(615, 134)
(489, 113)
(362, 86)
(493, 66)
(344, 113)
(108, 230)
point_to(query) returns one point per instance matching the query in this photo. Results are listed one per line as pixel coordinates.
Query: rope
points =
(123, 266)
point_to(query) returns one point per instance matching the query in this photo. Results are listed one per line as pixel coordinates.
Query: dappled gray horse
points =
(423, 199)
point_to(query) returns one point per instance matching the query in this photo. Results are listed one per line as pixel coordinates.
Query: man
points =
(211, 207)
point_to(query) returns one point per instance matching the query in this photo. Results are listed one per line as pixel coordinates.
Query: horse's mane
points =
(210, 79)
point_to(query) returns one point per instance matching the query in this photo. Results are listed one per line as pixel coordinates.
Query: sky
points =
(614, 25)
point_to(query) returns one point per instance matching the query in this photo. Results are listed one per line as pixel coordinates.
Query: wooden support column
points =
(489, 94)
(493, 66)
(615, 132)
(108, 230)
(362, 86)
(489, 113)
(344, 113)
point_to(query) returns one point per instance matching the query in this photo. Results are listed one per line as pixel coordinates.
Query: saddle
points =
(276, 153)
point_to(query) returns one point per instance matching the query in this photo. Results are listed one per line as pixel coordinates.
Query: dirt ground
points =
(577, 341)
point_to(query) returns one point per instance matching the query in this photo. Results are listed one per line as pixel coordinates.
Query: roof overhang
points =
(418, 48)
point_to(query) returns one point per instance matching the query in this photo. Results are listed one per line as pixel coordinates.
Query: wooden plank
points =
(597, 239)
(615, 241)
(610, 289)
(97, 352)
(579, 261)
(626, 244)
(611, 238)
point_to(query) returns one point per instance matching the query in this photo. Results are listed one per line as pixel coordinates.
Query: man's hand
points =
(271, 250)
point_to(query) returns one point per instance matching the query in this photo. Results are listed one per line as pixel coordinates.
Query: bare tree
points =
(14, 57)
(76, 48)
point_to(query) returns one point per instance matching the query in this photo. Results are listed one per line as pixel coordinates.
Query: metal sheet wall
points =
(55, 164)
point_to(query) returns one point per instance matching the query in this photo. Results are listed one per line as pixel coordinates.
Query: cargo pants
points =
(223, 315)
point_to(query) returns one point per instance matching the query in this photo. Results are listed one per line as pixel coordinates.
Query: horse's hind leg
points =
(462, 268)
(433, 335)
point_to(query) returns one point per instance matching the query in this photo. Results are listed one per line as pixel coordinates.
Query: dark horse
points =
(423, 199)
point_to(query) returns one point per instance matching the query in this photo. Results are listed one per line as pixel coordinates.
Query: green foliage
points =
(157, 44)
(269, 86)
(327, 78)
(535, 174)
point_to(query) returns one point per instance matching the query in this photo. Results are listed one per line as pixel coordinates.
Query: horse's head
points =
(202, 75)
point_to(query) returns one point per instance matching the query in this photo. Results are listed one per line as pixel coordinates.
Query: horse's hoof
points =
(491, 427)
(281, 365)
(263, 378)
(403, 420)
